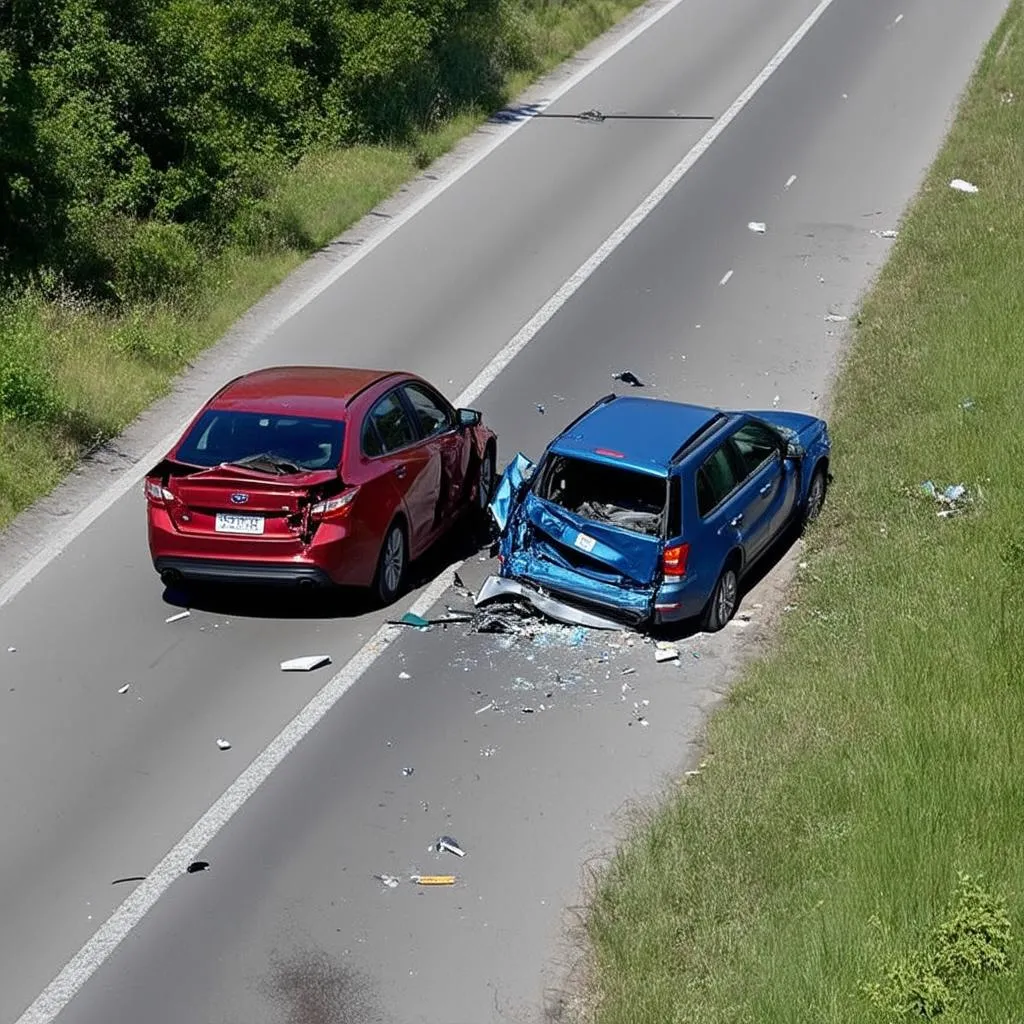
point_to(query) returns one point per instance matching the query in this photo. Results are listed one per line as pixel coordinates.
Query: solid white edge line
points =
(502, 133)
(113, 931)
(118, 926)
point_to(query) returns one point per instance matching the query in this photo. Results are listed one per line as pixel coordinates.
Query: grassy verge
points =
(72, 376)
(879, 750)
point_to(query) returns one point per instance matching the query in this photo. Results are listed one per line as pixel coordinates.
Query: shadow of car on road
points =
(292, 602)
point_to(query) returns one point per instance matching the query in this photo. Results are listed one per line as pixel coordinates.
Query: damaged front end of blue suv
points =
(645, 511)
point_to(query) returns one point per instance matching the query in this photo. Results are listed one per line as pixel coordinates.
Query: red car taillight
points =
(673, 561)
(157, 493)
(334, 508)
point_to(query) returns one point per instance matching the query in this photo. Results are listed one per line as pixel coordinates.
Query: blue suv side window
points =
(754, 445)
(715, 479)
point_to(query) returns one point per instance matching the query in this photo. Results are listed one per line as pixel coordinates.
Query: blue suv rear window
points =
(605, 494)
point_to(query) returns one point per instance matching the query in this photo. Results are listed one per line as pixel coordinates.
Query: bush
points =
(27, 390)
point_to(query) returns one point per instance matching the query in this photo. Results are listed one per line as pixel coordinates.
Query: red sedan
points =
(317, 475)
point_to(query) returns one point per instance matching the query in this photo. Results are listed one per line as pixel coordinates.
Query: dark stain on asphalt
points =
(313, 987)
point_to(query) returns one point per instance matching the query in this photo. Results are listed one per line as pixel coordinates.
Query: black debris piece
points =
(198, 865)
(628, 377)
(590, 115)
(133, 878)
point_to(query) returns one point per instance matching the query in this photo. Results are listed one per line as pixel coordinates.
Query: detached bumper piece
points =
(210, 570)
(497, 587)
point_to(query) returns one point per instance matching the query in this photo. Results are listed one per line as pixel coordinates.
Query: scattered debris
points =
(590, 115)
(888, 233)
(962, 186)
(628, 672)
(488, 751)
(1006, 97)
(835, 318)
(954, 498)
(412, 619)
(540, 408)
(446, 844)
(666, 652)
(12, 650)
(404, 675)
(306, 664)
(486, 707)
(408, 771)
(124, 689)
(725, 280)
(967, 404)
(180, 615)
(758, 227)
(432, 879)
(133, 878)
(899, 18)
(223, 744)
(198, 865)
(790, 182)
(775, 402)
(390, 881)
(628, 377)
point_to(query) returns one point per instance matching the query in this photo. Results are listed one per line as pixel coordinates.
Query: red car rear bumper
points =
(330, 559)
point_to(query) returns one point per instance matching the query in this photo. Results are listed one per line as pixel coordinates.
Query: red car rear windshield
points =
(259, 439)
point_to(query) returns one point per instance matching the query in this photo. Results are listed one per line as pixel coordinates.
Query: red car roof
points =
(301, 390)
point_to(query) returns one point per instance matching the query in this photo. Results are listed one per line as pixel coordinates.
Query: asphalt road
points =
(289, 924)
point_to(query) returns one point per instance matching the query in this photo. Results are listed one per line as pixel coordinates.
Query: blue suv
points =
(645, 511)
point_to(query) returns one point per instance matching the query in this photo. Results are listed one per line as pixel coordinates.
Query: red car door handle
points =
(400, 471)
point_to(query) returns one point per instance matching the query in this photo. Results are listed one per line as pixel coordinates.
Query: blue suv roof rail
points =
(709, 428)
(586, 412)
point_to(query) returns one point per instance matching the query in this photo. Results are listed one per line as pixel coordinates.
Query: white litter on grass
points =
(725, 280)
(124, 689)
(306, 664)
(835, 318)
(404, 675)
(789, 183)
(962, 186)
(758, 227)
(177, 618)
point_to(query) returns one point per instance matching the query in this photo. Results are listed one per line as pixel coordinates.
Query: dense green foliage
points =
(139, 135)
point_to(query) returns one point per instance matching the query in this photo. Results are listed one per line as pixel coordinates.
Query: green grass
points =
(80, 375)
(878, 749)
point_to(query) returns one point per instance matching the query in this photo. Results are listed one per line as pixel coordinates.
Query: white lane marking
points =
(110, 934)
(789, 182)
(133, 476)
(619, 235)
(725, 280)
(118, 926)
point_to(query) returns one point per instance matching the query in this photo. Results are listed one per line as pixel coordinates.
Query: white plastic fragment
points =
(180, 615)
(835, 318)
(408, 771)
(124, 689)
(758, 227)
(223, 744)
(789, 183)
(306, 664)
(12, 650)
(388, 880)
(962, 186)
(404, 675)
(888, 233)
(725, 280)
(666, 652)
(486, 707)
